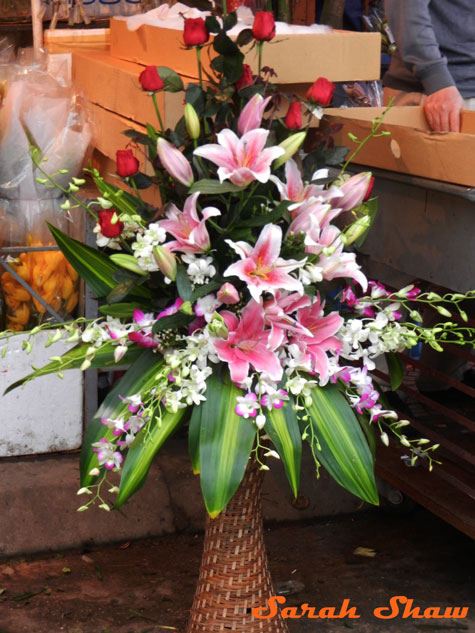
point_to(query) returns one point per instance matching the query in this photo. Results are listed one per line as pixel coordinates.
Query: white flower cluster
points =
(144, 244)
(200, 269)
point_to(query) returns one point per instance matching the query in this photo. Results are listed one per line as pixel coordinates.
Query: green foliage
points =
(283, 429)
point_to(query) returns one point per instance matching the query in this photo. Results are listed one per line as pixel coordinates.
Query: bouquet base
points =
(234, 574)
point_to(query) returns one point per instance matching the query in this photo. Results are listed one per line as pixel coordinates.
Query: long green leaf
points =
(226, 441)
(343, 449)
(140, 377)
(92, 265)
(283, 429)
(74, 358)
(194, 438)
(141, 453)
(395, 369)
(210, 186)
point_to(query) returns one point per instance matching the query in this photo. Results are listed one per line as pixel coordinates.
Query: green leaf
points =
(122, 310)
(194, 438)
(226, 441)
(93, 266)
(343, 449)
(267, 218)
(230, 21)
(212, 24)
(141, 453)
(74, 358)
(183, 283)
(283, 429)
(208, 186)
(196, 96)
(224, 45)
(172, 322)
(245, 37)
(395, 369)
(202, 291)
(123, 289)
(141, 376)
(172, 80)
(233, 67)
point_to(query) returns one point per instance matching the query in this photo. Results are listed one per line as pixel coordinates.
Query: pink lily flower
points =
(228, 294)
(337, 263)
(249, 344)
(251, 115)
(322, 328)
(190, 232)
(241, 160)
(174, 162)
(295, 189)
(261, 267)
(277, 311)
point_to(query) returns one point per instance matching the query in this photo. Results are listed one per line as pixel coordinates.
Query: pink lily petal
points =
(251, 115)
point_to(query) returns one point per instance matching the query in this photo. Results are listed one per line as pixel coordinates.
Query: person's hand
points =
(443, 108)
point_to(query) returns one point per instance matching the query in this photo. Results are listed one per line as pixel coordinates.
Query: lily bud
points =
(217, 327)
(166, 261)
(174, 162)
(357, 229)
(354, 191)
(228, 294)
(290, 145)
(127, 261)
(192, 122)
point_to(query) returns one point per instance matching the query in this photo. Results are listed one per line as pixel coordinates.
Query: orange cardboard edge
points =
(445, 157)
(338, 55)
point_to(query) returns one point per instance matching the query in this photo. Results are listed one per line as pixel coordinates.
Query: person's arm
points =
(412, 28)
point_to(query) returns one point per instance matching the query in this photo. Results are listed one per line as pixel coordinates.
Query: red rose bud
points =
(246, 78)
(195, 33)
(263, 28)
(369, 190)
(109, 222)
(321, 91)
(127, 164)
(293, 118)
(150, 80)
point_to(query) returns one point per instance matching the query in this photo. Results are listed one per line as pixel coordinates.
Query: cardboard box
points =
(113, 85)
(68, 40)
(297, 58)
(411, 148)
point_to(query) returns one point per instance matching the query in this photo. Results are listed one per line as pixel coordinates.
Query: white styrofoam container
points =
(46, 415)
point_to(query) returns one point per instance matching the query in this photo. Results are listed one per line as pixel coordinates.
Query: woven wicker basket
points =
(234, 575)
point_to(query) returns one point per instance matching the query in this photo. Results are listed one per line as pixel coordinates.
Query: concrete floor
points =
(147, 586)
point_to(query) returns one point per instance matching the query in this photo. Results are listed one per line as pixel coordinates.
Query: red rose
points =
(246, 78)
(127, 164)
(108, 229)
(369, 190)
(150, 80)
(293, 118)
(195, 33)
(321, 91)
(263, 28)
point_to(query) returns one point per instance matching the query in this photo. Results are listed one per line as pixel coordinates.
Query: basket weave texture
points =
(234, 574)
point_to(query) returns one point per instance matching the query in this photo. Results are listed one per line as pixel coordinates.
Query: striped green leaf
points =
(92, 265)
(283, 429)
(141, 453)
(226, 441)
(343, 449)
(194, 439)
(74, 358)
(141, 376)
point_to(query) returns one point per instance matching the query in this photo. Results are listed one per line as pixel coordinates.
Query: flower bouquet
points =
(238, 306)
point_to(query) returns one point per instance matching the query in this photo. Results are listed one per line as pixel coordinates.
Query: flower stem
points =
(198, 56)
(157, 110)
(259, 49)
(225, 9)
(137, 192)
